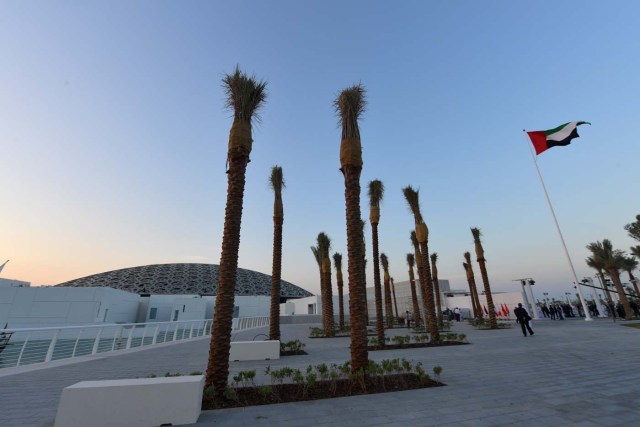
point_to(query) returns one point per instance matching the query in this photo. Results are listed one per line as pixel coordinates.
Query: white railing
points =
(25, 346)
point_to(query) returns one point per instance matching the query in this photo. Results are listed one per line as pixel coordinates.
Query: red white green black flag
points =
(562, 135)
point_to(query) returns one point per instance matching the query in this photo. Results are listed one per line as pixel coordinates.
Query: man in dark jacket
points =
(523, 318)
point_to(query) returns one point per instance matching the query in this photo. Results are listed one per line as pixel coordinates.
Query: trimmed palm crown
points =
(244, 95)
(350, 104)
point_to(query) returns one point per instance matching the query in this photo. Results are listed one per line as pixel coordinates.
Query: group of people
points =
(557, 311)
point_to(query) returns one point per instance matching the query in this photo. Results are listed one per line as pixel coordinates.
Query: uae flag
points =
(562, 135)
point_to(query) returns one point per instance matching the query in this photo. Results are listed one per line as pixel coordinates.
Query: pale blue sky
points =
(114, 135)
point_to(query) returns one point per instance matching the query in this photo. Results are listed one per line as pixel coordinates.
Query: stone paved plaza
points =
(569, 373)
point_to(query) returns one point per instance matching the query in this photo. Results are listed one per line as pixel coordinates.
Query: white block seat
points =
(143, 402)
(254, 350)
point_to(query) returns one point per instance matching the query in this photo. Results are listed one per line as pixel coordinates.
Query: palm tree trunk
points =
(276, 268)
(327, 301)
(395, 301)
(414, 298)
(218, 365)
(635, 283)
(493, 322)
(357, 290)
(436, 290)
(474, 296)
(388, 310)
(615, 276)
(376, 284)
(340, 298)
(432, 323)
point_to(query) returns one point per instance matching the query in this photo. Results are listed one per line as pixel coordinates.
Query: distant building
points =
(152, 293)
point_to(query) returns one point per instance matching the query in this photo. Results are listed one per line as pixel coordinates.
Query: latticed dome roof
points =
(183, 279)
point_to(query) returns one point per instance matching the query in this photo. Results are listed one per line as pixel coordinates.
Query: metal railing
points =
(27, 346)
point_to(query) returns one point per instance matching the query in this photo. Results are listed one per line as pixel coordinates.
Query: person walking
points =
(523, 318)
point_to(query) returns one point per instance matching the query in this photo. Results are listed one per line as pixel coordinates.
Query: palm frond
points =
(414, 239)
(412, 196)
(477, 234)
(634, 228)
(411, 260)
(350, 104)
(276, 180)
(376, 192)
(635, 251)
(337, 260)
(629, 263)
(244, 95)
(384, 261)
(316, 254)
(467, 256)
(434, 257)
(324, 244)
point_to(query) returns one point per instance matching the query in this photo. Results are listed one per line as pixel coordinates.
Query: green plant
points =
(196, 373)
(265, 391)
(169, 374)
(437, 370)
(209, 391)
(230, 393)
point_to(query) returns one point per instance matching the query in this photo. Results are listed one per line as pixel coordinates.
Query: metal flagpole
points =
(555, 220)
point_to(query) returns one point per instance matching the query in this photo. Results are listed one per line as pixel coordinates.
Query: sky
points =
(113, 131)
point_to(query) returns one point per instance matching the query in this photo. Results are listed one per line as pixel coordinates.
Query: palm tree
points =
(244, 96)
(436, 287)
(350, 105)
(472, 285)
(418, 257)
(635, 251)
(422, 234)
(411, 261)
(395, 301)
(482, 262)
(337, 263)
(598, 265)
(276, 181)
(376, 192)
(324, 245)
(629, 265)
(388, 312)
(612, 260)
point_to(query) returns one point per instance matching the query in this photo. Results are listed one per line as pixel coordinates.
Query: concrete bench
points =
(134, 402)
(254, 350)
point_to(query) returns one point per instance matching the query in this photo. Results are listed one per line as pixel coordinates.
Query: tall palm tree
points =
(612, 259)
(364, 272)
(388, 312)
(422, 234)
(324, 245)
(350, 105)
(244, 96)
(411, 261)
(436, 287)
(598, 265)
(395, 301)
(422, 282)
(276, 181)
(629, 264)
(376, 193)
(482, 262)
(472, 285)
(337, 263)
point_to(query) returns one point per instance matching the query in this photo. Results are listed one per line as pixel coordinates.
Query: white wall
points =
(14, 283)
(300, 306)
(52, 306)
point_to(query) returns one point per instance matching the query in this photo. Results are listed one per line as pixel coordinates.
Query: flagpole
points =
(555, 220)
